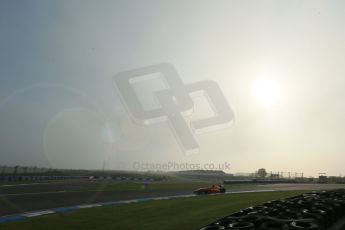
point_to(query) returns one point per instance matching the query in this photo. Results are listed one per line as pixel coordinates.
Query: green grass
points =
(183, 213)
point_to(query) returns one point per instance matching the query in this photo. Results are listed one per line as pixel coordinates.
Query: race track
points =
(40, 196)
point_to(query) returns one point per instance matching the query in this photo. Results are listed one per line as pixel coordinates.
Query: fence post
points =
(3, 170)
(15, 170)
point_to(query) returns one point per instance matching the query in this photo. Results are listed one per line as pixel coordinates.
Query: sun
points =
(266, 92)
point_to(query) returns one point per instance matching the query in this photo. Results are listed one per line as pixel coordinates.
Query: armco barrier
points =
(37, 178)
(323, 210)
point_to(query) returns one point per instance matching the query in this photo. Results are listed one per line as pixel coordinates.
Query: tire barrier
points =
(321, 210)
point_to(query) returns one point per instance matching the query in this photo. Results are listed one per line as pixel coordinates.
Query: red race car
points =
(211, 190)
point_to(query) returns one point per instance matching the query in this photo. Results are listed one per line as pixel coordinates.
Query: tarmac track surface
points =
(24, 198)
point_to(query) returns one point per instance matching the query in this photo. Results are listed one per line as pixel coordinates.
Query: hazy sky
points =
(280, 65)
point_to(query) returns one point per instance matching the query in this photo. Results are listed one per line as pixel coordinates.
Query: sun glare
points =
(266, 92)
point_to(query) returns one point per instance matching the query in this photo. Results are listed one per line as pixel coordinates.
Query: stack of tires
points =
(314, 210)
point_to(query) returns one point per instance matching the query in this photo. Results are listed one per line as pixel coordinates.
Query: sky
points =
(279, 64)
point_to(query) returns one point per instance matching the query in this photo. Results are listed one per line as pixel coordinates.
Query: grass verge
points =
(183, 213)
